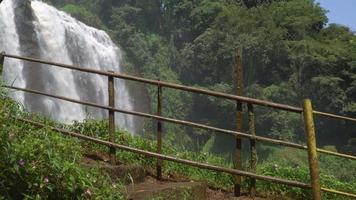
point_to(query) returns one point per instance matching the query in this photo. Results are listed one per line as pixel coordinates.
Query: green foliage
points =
(299, 173)
(216, 179)
(285, 172)
(336, 173)
(288, 54)
(83, 15)
(286, 163)
(93, 128)
(99, 130)
(42, 164)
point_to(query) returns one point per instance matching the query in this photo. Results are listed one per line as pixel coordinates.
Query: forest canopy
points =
(290, 52)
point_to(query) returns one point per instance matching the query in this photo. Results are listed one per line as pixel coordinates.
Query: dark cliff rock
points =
(29, 46)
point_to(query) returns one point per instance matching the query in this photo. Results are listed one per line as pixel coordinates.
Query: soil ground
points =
(145, 184)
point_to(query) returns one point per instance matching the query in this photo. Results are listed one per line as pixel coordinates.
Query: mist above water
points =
(49, 34)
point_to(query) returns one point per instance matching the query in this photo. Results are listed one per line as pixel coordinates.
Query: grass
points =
(42, 164)
(39, 163)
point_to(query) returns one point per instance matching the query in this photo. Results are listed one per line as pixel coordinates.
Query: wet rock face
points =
(25, 27)
(24, 5)
(1, 64)
(24, 20)
(35, 29)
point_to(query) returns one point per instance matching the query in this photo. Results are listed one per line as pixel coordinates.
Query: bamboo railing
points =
(307, 112)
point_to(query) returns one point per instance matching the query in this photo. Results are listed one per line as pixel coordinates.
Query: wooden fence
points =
(306, 111)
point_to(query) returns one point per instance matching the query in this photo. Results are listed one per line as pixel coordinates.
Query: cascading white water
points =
(9, 42)
(61, 38)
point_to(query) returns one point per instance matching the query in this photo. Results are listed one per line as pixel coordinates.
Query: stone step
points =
(126, 174)
(165, 190)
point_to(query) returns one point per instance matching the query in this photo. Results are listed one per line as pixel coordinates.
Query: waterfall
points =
(12, 75)
(56, 36)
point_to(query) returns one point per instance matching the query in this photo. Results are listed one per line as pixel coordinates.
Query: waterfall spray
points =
(59, 37)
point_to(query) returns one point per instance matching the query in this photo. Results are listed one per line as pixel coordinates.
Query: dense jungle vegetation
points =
(289, 53)
(39, 163)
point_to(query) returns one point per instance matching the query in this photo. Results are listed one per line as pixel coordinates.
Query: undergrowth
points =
(38, 163)
(286, 163)
(42, 164)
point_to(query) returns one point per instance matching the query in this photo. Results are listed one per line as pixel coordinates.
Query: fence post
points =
(2, 59)
(253, 161)
(312, 154)
(111, 93)
(159, 132)
(238, 151)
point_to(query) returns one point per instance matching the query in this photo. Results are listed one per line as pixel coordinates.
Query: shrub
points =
(291, 164)
(39, 163)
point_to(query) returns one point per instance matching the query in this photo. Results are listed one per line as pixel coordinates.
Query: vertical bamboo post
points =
(111, 93)
(2, 59)
(312, 154)
(159, 132)
(238, 151)
(253, 161)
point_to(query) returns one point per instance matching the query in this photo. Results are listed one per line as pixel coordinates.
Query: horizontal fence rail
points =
(170, 158)
(183, 161)
(183, 87)
(187, 123)
(240, 99)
